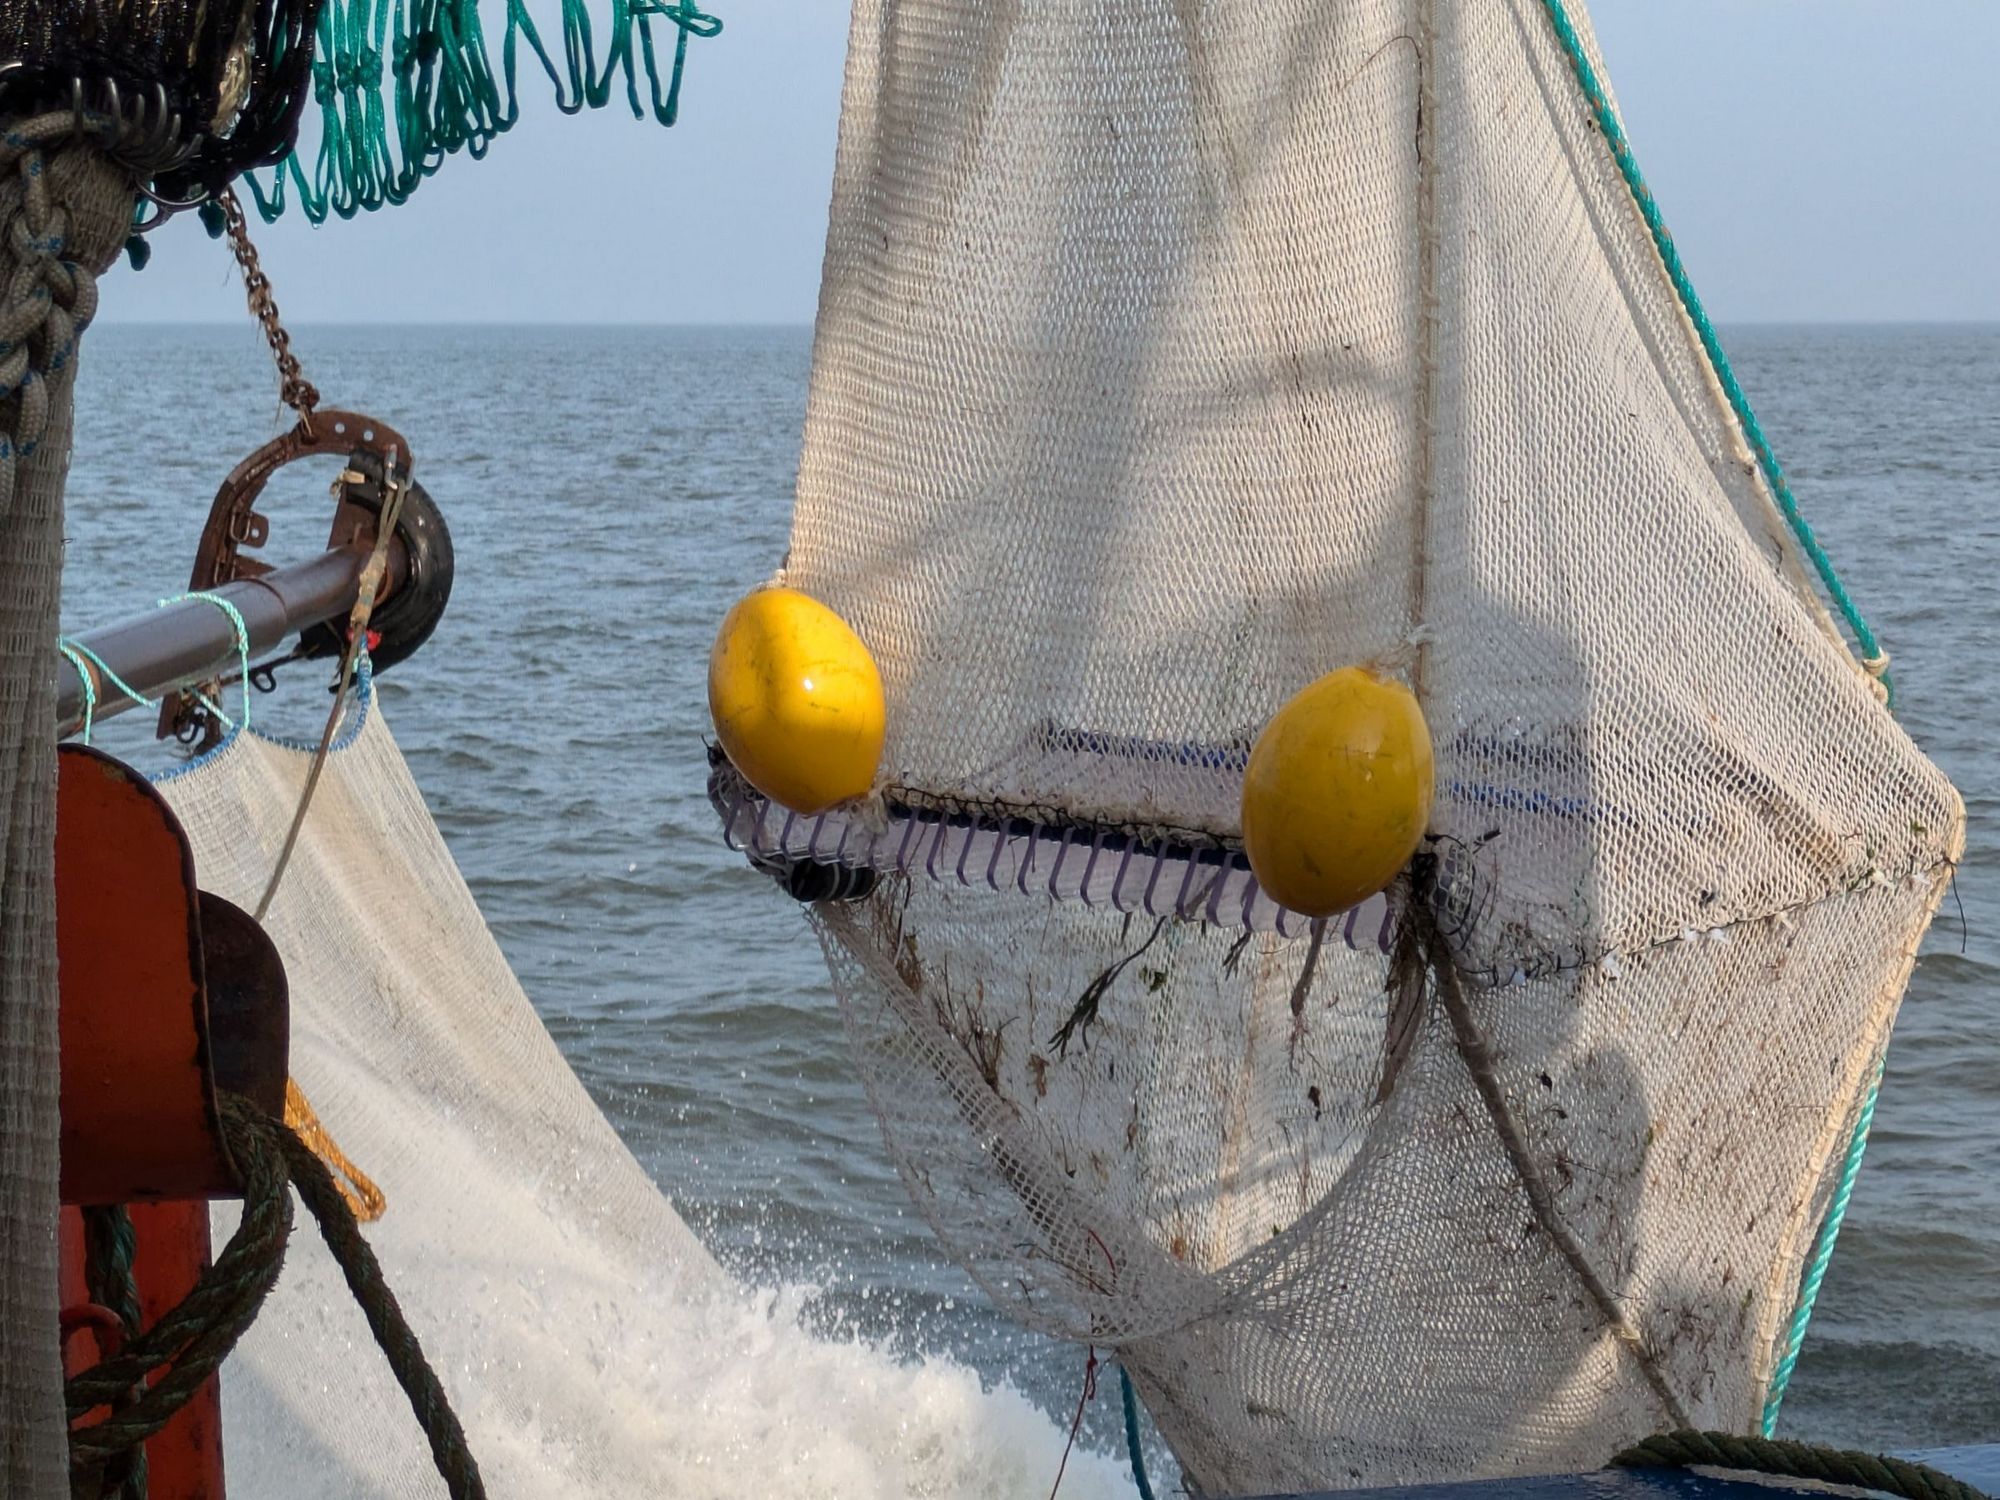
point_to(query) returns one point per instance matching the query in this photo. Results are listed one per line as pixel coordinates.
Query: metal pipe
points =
(194, 641)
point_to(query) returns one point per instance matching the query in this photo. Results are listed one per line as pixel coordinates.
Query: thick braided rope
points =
(47, 299)
(64, 211)
(1758, 1455)
(180, 1352)
(363, 1274)
(194, 1336)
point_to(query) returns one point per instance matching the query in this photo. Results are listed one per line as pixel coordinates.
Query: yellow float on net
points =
(1337, 792)
(796, 699)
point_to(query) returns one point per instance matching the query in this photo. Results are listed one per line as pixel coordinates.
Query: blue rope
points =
(242, 651)
(1872, 657)
(1822, 1256)
(360, 705)
(1132, 1447)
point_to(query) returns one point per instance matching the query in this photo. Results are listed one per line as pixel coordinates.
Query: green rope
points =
(74, 648)
(147, 1382)
(110, 1246)
(77, 654)
(419, 71)
(1822, 1256)
(89, 686)
(1133, 1450)
(242, 653)
(171, 1360)
(1849, 1466)
(1872, 657)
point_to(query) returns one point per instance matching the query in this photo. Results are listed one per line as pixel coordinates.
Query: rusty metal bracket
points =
(236, 528)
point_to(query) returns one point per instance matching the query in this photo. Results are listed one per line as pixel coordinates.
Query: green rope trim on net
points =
(1822, 1256)
(403, 84)
(1873, 659)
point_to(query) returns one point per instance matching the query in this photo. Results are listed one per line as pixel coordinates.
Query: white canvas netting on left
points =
(588, 1341)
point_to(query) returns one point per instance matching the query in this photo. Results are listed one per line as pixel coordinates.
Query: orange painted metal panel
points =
(138, 1112)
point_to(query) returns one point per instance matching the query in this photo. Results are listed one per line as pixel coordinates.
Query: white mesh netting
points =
(1170, 355)
(588, 1342)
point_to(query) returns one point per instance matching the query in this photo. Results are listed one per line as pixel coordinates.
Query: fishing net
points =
(1169, 356)
(193, 94)
(398, 88)
(589, 1343)
(519, 1231)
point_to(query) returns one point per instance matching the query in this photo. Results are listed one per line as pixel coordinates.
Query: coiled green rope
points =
(169, 1362)
(1873, 657)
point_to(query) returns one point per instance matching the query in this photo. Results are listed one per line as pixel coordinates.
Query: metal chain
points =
(294, 389)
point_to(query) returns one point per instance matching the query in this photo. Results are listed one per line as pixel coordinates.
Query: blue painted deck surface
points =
(1977, 1466)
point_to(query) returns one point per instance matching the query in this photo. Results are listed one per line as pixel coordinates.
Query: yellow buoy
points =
(1337, 792)
(796, 699)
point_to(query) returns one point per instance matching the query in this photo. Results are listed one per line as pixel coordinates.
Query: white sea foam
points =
(718, 1396)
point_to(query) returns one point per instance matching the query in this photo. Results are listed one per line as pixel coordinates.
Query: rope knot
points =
(47, 299)
(362, 70)
(419, 47)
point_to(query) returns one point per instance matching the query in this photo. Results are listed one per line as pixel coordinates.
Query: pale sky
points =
(1818, 160)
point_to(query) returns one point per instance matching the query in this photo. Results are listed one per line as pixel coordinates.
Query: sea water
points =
(611, 491)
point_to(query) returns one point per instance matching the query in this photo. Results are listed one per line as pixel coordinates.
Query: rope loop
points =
(92, 671)
(89, 680)
(178, 1354)
(364, 1199)
(242, 650)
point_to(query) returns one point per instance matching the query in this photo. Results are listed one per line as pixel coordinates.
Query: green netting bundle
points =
(402, 84)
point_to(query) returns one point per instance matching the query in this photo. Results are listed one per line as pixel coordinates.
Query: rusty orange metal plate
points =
(138, 1110)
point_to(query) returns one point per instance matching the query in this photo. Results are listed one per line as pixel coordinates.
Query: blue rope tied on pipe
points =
(1822, 1256)
(1874, 660)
